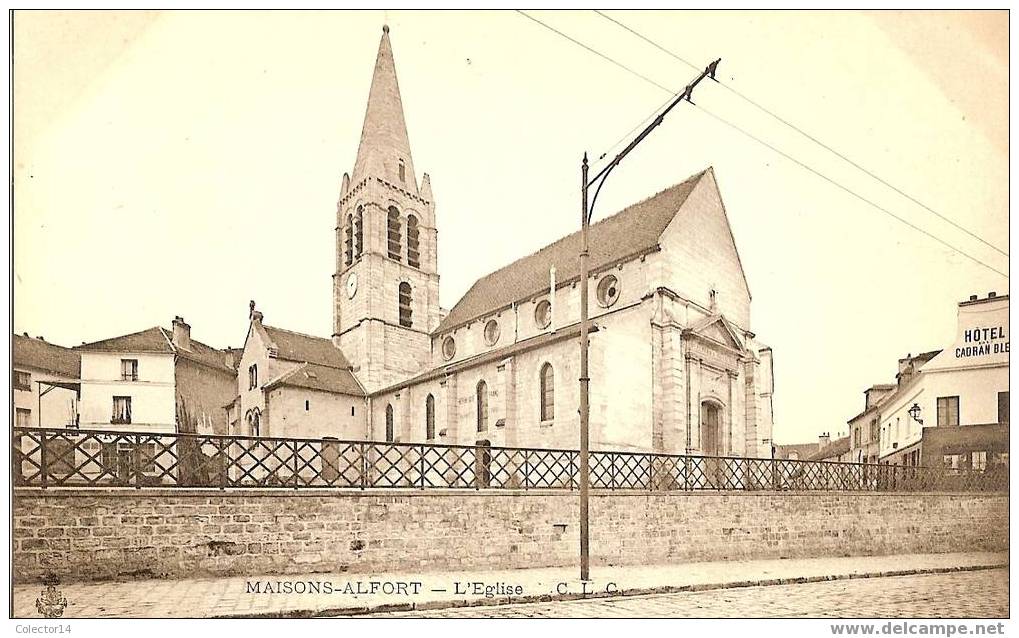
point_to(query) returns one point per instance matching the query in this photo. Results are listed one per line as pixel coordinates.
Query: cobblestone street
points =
(973, 594)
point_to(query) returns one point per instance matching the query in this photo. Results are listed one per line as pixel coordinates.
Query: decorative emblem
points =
(51, 603)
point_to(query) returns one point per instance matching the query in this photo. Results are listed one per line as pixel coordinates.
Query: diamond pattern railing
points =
(56, 457)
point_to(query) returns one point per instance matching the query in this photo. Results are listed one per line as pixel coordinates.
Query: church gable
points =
(701, 261)
(718, 330)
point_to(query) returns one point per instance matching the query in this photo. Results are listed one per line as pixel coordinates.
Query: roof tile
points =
(629, 232)
(39, 354)
(294, 346)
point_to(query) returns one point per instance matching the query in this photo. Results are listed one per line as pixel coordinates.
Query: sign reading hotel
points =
(979, 342)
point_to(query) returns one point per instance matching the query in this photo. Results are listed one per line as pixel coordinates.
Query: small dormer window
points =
(403, 171)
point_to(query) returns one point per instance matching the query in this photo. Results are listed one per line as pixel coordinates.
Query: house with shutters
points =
(157, 380)
(675, 365)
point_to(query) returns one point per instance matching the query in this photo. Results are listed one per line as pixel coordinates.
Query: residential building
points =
(950, 406)
(45, 383)
(156, 380)
(865, 427)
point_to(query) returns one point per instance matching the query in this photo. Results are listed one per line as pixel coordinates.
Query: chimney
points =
(253, 314)
(972, 297)
(992, 295)
(824, 439)
(228, 358)
(181, 334)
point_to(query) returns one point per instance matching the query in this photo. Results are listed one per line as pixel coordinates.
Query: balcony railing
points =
(53, 457)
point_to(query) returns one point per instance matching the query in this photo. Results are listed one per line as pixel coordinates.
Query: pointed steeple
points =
(384, 150)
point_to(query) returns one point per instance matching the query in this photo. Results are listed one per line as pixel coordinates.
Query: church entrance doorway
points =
(710, 442)
(710, 428)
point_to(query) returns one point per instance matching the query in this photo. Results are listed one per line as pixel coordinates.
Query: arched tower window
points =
(482, 400)
(429, 418)
(348, 241)
(359, 232)
(405, 311)
(393, 233)
(413, 242)
(547, 382)
(390, 429)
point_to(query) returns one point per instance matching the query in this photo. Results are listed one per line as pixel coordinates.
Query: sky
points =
(185, 163)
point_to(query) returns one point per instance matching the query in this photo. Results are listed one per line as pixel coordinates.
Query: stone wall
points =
(126, 533)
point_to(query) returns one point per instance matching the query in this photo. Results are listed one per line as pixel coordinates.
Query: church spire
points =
(384, 150)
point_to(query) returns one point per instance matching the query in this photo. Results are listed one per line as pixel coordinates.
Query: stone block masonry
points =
(99, 534)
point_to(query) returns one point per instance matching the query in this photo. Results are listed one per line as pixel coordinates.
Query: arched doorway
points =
(711, 444)
(711, 428)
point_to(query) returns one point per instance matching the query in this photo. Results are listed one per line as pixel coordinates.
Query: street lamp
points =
(586, 212)
(915, 413)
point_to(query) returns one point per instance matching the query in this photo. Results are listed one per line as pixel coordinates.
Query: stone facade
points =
(102, 534)
(296, 386)
(674, 365)
(370, 269)
(668, 373)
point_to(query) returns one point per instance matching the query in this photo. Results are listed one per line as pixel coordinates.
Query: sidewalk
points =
(230, 596)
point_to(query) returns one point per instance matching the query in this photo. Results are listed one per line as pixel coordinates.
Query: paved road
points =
(972, 594)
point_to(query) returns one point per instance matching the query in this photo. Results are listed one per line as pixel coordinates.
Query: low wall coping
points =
(441, 492)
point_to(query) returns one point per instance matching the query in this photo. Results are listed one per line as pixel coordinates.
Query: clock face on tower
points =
(351, 285)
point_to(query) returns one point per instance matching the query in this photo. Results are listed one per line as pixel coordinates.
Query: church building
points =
(674, 364)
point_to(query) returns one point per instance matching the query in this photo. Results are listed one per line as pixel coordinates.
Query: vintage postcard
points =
(511, 314)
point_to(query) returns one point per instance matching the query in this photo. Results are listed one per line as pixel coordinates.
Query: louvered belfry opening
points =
(348, 241)
(413, 242)
(405, 310)
(359, 232)
(393, 233)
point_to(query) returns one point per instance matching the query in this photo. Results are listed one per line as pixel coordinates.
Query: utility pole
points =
(586, 212)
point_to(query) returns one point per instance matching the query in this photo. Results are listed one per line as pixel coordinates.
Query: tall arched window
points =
(393, 233)
(359, 232)
(390, 429)
(348, 241)
(413, 242)
(547, 382)
(405, 312)
(429, 418)
(482, 400)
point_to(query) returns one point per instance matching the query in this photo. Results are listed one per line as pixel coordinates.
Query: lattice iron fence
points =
(55, 457)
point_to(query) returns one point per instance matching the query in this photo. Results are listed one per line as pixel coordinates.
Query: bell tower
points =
(386, 284)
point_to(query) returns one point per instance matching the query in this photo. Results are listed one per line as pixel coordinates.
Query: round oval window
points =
(543, 314)
(491, 332)
(608, 290)
(448, 347)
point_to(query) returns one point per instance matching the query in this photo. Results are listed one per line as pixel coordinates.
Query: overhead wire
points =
(759, 141)
(807, 135)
